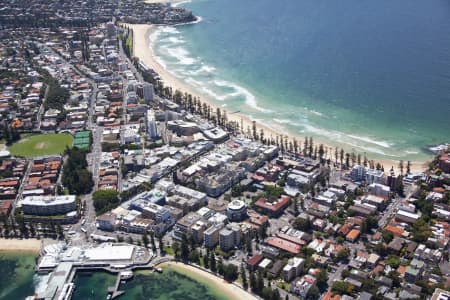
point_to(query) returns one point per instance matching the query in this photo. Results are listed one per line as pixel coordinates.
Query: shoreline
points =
(230, 290)
(20, 245)
(143, 50)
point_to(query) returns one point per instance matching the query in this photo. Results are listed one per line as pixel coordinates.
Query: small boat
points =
(125, 275)
(159, 270)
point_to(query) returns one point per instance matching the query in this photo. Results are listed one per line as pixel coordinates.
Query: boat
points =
(125, 275)
(159, 270)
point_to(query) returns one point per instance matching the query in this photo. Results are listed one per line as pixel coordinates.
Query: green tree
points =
(145, 239)
(244, 277)
(342, 254)
(75, 176)
(253, 283)
(322, 279)
(230, 272)
(313, 293)
(152, 241)
(421, 231)
(340, 287)
(387, 236)
(212, 262)
(393, 261)
(184, 248)
(259, 282)
(303, 224)
(105, 200)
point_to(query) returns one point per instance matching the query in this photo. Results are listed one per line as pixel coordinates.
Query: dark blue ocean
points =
(369, 76)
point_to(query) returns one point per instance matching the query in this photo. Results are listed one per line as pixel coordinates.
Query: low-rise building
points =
(48, 205)
(274, 208)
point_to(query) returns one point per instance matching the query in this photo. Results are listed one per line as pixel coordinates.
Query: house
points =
(414, 270)
(276, 268)
(353, 235)
(253, 262)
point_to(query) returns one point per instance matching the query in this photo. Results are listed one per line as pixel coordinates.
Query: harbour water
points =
(370, 76)
(17, 277)
(170, 285)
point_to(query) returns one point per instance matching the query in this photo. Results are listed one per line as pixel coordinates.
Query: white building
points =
(152, 129)
(49, 205)
(375, 176)
(230, 237)
(293, 268)
(380, 190)
(236, 210)
(211, 235)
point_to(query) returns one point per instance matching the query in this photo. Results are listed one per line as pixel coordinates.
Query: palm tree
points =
(400, 166)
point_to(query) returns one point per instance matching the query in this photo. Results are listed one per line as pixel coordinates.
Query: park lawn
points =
(41, 145)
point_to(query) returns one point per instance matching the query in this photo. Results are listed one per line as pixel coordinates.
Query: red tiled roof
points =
(353, 234)
(255, 259)
(284, 245)
(262, 202)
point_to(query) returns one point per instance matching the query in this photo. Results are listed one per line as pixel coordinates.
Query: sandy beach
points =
(228, 289)
(25, 245)
(143, 51)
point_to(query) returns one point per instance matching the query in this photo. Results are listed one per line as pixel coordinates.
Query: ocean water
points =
(369, 76)
(92, 286)
(17, 275)
(170, 285)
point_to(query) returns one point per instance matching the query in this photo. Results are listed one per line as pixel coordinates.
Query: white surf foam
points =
(250, 99)
(203, 70)
(370, 140)
(351, 140)
(181, 2)
(182, 55)
(172, 40)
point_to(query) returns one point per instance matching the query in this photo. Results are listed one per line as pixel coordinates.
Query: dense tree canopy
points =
(104, 200)
(76, 177)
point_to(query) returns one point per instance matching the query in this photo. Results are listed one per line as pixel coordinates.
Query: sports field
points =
(41, 144)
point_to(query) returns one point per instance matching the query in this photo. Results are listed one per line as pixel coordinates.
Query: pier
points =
(63, 263)
(114, 290)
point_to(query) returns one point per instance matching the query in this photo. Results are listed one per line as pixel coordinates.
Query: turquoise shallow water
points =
(372, 76)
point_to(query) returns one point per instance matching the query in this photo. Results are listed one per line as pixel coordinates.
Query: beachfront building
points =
(211, 235)
(49, 205)
(375, 176)
(358, 173)
(230, 237)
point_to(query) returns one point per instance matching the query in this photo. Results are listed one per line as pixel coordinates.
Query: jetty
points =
(114, 290)
(62, 263)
